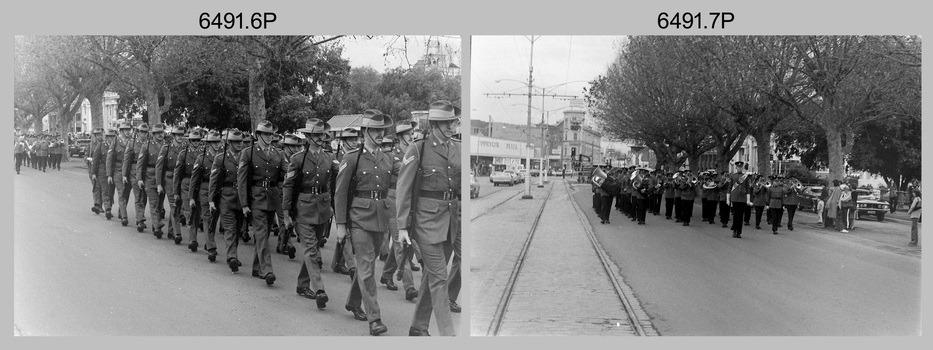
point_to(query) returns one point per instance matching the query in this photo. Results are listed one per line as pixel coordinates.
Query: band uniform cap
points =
(740, 163)
(98, 131)
(292, 140)
(110, 132)
(373, 118)
(266, 127)
(443, 110)
(315, 126)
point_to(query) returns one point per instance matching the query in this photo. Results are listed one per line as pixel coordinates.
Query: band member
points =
(146, 161)
(668, 188)
(688, 193)
(200, 199)
(260, 168)
(165, 180)
(42, 152)
(19, 151)
(725, 187)
(55, 152)
(224, 196)
(306, 202)
(776, 195)
(130, 157)
(115, 169)
(737, 198)
(429, 207)
(362, 186)
(760, 200)
(791, 201)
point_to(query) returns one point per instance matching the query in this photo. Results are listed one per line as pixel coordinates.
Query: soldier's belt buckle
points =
(448, 195)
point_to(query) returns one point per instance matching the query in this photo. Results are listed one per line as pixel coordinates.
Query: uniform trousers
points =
(169, 192)
(776, 214)
(791, 209)
(678, 208)
(724, 212)
(105, 189)
(262, 255)
(434, 283)
(96, 193)
(596, 205)
(152, 194)
(343, 257)
(231, 218)
(748, 215)
(758, 210)
(641, 209)
(738, 213)
(619, 201)
(363, 288)
(704, 209)
(398, 256)
(56, 160)
(19, 160)
(454, 282)
(186, 201)
(123, 194)
(310, 274)
(668, 205)
(139, 196)
(604, 209)
(686, 210)
(201, 214)
(43, 162)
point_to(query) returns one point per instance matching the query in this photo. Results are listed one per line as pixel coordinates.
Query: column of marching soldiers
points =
(393, 197)
(638, 191)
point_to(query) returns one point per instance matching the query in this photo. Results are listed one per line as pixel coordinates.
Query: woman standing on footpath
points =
(914, 212)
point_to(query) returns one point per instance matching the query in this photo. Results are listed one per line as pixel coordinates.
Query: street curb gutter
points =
(639, 319)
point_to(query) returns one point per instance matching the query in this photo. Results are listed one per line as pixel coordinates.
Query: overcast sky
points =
(557, 60)
(387, 52)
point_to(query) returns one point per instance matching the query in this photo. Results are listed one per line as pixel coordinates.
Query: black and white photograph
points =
(241, 185)
(703, 185)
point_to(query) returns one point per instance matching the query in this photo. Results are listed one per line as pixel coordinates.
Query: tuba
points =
(599, 177)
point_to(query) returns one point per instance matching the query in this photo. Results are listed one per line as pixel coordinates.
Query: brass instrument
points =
(599, 177)
(768, 184)
(694, 180)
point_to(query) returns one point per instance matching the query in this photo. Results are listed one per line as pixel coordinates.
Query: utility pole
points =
(527, 194)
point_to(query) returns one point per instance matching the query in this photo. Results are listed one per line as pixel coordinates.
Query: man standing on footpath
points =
(429, 206)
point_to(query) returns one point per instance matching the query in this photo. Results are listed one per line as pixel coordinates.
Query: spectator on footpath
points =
(845, 204)
(831, 200)
(892, 194)
(914, 213)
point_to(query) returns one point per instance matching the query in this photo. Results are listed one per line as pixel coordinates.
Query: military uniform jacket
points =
(19, 147)
(115, 159)
(315, 173)
(223, 175)
(739, 190)
(776, 196)
(42, 148)
(372, 173)
(688, 192)
(200, 172)
(130, 156)
(439, 168)
(184, 167)
(791, 198)
(98, 158)
(668, 190)
(56, 147)
(165, 166)
(259, 170)
(147, 158)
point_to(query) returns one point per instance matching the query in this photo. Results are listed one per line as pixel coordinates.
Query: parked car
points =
(474, 186)
(522, 175)
(868, 205)
(503, 177)
(79, 148)
(535, 172)
(810, 197)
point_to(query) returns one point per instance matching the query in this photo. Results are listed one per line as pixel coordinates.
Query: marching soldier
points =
(55, 152)
(94, 149)
(148, 156)
(165, 180)
(760, 199)
(341, 263)
(99, 170)
(260, 168)
(224, 196)
(291, 145)
(181, 179)
(201, 215)
(306, 203)
(738, 197)
(115, 169)
(429, 206)
(399, 256)
(791, 201)
(360, 202)
(130, 157)
(42, 151)
(724, 188)
(688, 194)
(776, 194)
(668, 188)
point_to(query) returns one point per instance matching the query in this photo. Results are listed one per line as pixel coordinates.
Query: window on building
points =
(475, 131)
(574, 136)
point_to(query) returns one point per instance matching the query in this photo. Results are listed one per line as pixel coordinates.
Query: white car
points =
(522, 175)
(504, 177)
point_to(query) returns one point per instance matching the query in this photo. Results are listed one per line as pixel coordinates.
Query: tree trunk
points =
(152, 105)
(96, 99)
(834, 145)
(257, 93)
(763, 138)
